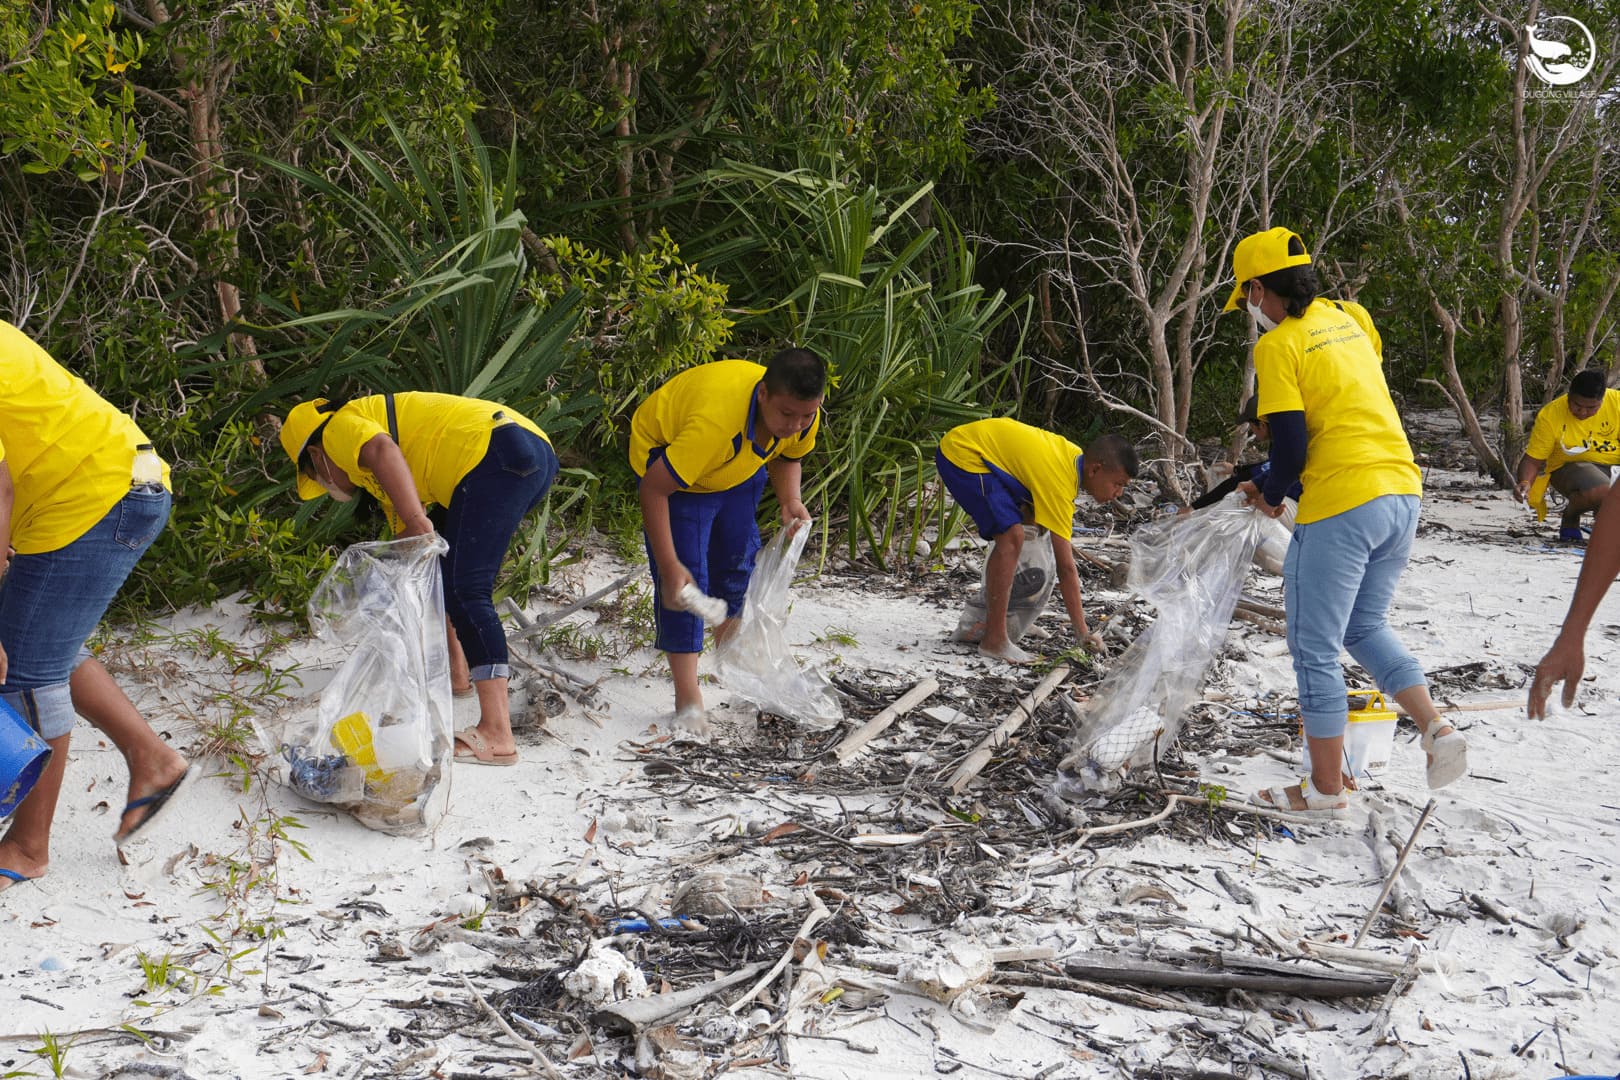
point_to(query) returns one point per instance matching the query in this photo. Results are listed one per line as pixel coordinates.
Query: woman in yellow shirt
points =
(82, 496)
(1319, 367)
(486, 465)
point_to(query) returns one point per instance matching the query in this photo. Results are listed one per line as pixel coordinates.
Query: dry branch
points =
(1132, 971)
(640, 1013)
(857, 739)
(980, 756)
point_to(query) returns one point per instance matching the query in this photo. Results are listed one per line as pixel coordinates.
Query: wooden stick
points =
(1270, 611)
(530, 627)
(818, 911)
(1490, 705)
(1132, 971)
(980, 756)
(856, 740)
(1403, 982)
(1270, 626)
(639, 1013)
(1389, 882)
(1322, 950)
(540, 1059)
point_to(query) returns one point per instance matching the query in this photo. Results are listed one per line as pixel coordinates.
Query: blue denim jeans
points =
(1338, 580)
(716, 538)
(484, 514)
(50, 604)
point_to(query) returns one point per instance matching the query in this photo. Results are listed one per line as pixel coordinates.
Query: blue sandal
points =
(154, 804)
(8, 878)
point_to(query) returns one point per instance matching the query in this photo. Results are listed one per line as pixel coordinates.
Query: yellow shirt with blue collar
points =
(1046, 464)
(441, 436)
(704, 423)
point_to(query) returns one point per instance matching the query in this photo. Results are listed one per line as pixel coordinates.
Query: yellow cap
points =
(1261, 253)
(301, 422)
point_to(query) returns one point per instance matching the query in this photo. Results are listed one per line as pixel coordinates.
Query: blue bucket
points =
(23, 754)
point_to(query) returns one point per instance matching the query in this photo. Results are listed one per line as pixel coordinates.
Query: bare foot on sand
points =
(1008, 652)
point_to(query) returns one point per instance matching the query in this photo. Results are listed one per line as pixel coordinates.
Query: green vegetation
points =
(212, 210)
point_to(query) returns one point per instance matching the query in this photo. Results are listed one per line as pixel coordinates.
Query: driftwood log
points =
(1228, 972)
(637, 1014)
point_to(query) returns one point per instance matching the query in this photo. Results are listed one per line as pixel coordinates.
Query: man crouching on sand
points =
(1003, 472)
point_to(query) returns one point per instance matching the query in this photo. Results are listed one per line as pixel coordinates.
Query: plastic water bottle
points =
(148, 469)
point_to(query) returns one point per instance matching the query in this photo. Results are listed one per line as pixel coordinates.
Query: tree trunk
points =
(212, 191)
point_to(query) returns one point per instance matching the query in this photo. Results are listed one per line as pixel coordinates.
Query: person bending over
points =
(487, 466)
(1005, 473)
(703, 444)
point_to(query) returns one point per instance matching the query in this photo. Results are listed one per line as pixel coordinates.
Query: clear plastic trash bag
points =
(755, 661)
(1031, 589)
(1191, 567)
(379, 743)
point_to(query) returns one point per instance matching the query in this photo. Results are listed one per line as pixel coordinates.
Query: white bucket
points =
(1369, 739)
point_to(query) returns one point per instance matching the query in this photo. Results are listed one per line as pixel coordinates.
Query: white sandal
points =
(1448, 754)
(1316, 803)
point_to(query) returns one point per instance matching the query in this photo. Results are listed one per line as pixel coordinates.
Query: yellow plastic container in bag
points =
(1369, 737)
(352, 735)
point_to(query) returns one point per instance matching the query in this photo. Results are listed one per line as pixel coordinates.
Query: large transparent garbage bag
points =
(380, 742)
(1192, 569)
(755, 662)
(1275, 536)
(1031, 589)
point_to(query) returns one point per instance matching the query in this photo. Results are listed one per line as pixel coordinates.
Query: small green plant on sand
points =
(53, 1050)
(838, 635)
(159, 972)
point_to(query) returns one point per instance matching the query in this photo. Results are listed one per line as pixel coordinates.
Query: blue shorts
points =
(716, 538)
(51, 601)
(994, 500)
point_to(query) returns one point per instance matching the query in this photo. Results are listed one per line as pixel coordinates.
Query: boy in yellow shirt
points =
(1576, 438)
(1005, 474)
(704, 444)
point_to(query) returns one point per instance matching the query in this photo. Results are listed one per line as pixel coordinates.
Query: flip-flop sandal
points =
(154, 804)
(478, 751)
(1316, 803)
(1448, 755)
(8, 878)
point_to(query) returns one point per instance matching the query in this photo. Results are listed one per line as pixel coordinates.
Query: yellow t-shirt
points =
(1558, 434)
(705, 424)
(1045, 463)
(71, 454)
(442, 436)
(1329, 363)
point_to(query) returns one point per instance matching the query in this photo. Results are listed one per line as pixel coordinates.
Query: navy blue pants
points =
(484, 514)
(716, 538)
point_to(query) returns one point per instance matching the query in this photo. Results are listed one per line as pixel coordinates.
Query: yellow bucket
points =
(352, 735)
(1369, 737)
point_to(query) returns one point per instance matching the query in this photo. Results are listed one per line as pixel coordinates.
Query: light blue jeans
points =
(51, 602)
(1338, 580)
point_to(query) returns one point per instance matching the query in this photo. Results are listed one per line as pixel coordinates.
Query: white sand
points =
(1532, 829)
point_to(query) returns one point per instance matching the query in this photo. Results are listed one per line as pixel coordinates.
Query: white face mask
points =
(1260, 318)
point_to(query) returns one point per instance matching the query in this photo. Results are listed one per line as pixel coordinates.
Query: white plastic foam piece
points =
(708, 608)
